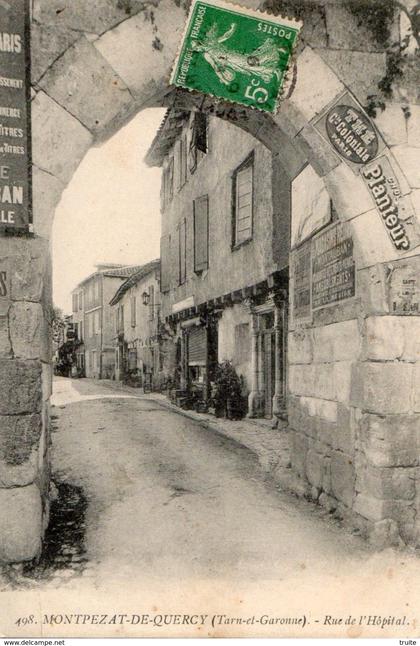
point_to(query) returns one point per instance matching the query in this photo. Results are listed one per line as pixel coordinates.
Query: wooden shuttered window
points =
(201, 233)
(168, 183)
(200, 131)
(182, 253)
(199, 139)
(243, 180)
(197, 347)
(165, 263)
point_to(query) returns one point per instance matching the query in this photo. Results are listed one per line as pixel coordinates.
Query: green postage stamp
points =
(235, 53)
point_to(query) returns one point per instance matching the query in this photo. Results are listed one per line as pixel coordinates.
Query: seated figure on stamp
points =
(263, 62)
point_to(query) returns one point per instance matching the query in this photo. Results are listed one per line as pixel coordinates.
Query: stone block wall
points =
(26, 379)
(354, 414)
(321, 363)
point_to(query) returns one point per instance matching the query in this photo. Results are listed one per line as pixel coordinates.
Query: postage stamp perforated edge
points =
(253, 13)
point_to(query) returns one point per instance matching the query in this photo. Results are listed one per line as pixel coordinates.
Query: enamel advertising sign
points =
(15, 138)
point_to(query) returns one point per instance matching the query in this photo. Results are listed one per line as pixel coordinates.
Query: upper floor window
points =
(74, 302)
(201, 233)
(242, 202)
(165, 263)
(95, 322)
(199, 139)
(80, 300)
(91, 296)
(168, 183)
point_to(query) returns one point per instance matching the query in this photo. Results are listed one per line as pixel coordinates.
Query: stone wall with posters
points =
(354, 333)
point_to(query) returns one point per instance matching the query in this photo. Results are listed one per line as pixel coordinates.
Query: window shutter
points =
(243, 204)
(182, 160)
(201, 233)
(171, 179)
(165, 264)
(192, 156)
(182, 251)
(200, 131)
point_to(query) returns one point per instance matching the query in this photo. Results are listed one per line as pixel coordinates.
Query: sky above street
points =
(110, 210)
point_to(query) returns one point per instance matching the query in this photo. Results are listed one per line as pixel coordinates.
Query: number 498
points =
(25, 621)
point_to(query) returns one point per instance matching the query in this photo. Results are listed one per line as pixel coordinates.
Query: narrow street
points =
(167, 498)
(156, 513)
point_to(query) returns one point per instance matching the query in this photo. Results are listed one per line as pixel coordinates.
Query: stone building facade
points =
(136, 315)
(94, 314)
(224, 251)
(368, 50)
(78, 315)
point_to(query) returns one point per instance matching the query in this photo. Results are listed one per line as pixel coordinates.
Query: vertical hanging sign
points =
(15, 127)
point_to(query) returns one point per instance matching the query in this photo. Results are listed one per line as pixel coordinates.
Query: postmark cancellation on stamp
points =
(234, 53)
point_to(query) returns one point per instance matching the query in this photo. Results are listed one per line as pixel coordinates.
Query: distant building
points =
(135, 306)
(79, 327)
(92, 319)
(225, 204)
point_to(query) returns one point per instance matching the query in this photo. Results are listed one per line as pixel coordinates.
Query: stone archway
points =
(344, 408)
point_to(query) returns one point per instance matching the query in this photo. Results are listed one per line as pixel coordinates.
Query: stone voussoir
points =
(310, 97)
(87, 86)
(60, 141)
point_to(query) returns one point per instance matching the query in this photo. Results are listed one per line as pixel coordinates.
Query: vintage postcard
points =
(209, 319)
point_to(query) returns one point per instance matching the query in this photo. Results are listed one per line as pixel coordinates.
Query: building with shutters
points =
(79, 327)
(93, 322)
(135, 312)
(225, 205)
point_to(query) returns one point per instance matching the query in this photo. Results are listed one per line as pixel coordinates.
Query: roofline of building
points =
(104, 272)
(132, 280)
(165, 137)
